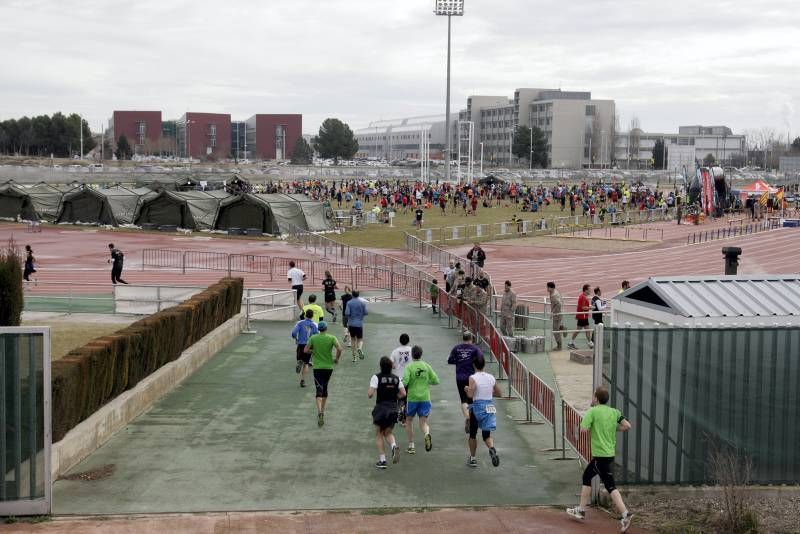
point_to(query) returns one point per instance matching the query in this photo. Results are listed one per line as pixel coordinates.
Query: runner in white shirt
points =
(400, 358)
(482, 412)
(296, 277)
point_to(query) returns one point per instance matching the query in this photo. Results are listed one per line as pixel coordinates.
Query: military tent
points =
(316, 218)
(186, 209)
(125, 203)
(85, 205)
(16, 204)
(168, 183)
(46, 200)
(286, 213)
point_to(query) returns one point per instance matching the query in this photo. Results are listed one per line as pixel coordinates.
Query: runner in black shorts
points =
(384, 416)
(296, 277)
(346, 296)
(329, 289)
(302, 331)
(462, 357)
(321, 346)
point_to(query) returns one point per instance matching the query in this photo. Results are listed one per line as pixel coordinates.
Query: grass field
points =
(383, 236)
(68, 333)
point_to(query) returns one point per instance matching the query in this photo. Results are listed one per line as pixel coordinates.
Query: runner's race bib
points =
(491, 409)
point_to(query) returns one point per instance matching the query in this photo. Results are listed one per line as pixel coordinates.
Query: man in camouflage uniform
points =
(556, 304)
(480, 298)
(507, 307)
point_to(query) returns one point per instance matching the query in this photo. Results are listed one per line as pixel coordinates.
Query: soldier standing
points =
(507, 307)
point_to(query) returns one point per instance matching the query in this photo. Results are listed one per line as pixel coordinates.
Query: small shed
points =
(737, 300)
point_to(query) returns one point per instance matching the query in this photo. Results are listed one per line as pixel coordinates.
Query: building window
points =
(590, 111)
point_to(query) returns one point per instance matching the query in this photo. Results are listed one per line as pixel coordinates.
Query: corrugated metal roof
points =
(726, 296)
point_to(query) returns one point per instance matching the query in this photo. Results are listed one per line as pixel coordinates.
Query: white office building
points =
(579, 130)
(401, 139)
(634, 149)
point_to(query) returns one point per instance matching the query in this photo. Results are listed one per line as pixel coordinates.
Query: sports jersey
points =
(387, 387)
(400, 358)
(603, 420)
(484, 386)
(317, 309)
(417, 378)
(296, 276)
(329, 285)
(303, 330)
(462, 357)
(355, 311)
(322, 346)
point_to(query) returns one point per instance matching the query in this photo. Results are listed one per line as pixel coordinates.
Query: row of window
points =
(397, 137)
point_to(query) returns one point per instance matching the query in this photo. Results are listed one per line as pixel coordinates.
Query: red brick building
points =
(273, 136)
(142, 129)
(208, 137)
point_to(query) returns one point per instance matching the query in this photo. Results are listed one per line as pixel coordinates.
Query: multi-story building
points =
(692, 144)
(578, 129)
(142, 129)
(398, 139)
(204, 135)
(273, 136)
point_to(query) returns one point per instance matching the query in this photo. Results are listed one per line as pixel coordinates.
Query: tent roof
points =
(722, 296)
(759, 186)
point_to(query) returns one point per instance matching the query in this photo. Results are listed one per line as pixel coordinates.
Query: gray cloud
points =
(680, 62)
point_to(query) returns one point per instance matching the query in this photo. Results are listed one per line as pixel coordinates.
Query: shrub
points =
(11, 285)
(88, 377)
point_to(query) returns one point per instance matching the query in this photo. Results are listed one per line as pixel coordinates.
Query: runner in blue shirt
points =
(303, 330)
(355, 312)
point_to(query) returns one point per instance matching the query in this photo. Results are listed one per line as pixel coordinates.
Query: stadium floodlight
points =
(453, 8)
(448, 8)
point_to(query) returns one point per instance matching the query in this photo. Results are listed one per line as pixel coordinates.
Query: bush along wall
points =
(88, 377)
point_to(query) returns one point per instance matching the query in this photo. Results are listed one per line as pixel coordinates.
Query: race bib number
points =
(491, 409)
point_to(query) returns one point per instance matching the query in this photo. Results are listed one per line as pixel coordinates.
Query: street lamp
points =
(189, 143)
(448, 8)
(481, 159)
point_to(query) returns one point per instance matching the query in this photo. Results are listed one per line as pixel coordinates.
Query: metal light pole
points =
(448, 8)
(481, 159)
(189, 144)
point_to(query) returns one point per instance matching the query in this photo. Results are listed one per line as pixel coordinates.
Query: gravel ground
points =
(780, 515)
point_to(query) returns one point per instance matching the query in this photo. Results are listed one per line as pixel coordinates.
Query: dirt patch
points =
(779, 515)
(98, 473)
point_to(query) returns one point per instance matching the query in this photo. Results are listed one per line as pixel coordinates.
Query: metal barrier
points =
(732, 231)
(571, 432)
(251, 306)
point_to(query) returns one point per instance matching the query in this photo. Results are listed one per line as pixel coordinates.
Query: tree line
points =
(44, 135)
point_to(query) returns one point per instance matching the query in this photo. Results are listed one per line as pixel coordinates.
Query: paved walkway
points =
(241, 435)
(457, 521)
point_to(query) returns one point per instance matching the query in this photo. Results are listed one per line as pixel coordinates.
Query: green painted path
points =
(242, 435)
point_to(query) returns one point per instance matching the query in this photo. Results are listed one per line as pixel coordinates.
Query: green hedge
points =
(88, 377)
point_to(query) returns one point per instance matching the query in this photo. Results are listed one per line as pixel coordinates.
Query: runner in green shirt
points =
(603, 422)
(321, 347)
(417, 378)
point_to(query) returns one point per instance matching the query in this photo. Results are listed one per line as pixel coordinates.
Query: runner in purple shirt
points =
(462, 357)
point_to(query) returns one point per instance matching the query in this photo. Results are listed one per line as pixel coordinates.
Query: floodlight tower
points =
(448, 8)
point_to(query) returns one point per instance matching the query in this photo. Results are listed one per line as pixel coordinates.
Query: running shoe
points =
(395, 454)
(576, 513)
(360, 354)
(571, 345)
(495, 457)
(320, 419)
(472, 461)
(355, 359)
(298, 367)
(381, 464)
(302, 383)
(411, 450)
(591, 344)
(625, 522)
(428, 443)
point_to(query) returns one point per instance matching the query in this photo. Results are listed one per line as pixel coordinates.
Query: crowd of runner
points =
(401, 385)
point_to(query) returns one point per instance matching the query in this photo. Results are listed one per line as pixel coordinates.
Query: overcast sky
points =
(668, 63)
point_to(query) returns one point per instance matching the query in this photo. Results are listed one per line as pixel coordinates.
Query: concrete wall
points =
(92, 433)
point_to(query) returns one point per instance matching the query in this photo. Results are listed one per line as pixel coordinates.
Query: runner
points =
(603, 422)
(29, 264)
(462, 356)
(321, 347)
(329, 289)
(417, 379)
(355, 312)
(390, 390)
(116, 268)
(481, 389)
(304, 329)
(400, 358)
(296, 276)
(582, 317)
(418, 217)
(507, 307)
(556, 305)
(598, 305)
(434, 291)
(312, 305)
(346, 296)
